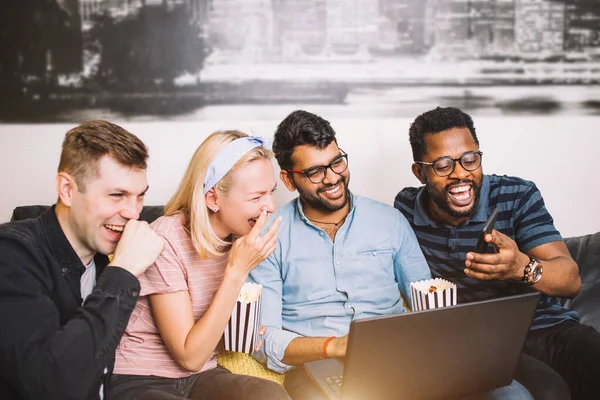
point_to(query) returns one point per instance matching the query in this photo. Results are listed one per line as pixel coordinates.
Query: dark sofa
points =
(585, 250)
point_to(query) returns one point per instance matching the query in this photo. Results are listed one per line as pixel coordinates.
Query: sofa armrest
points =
(585, 250)
(27, 212)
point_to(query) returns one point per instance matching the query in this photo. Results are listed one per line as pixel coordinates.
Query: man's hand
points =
(337, 347)
(507, 263)
(138, 247)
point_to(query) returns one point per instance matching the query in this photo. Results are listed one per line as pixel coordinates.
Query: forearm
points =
(207, 331)
(560, 277)
(304, 349)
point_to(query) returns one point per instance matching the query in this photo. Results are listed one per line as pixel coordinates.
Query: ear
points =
(65, 187)
(287, 180)
(418, 172)
(211, 199)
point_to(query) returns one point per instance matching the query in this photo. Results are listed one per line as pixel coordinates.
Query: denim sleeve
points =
(276, 340)
(409, 263)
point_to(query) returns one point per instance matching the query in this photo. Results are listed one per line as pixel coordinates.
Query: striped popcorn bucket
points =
(432, 293)
(241, 332)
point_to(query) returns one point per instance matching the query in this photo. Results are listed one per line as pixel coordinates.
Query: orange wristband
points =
(325, 346)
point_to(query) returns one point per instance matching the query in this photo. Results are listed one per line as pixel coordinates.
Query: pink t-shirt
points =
(142, 350)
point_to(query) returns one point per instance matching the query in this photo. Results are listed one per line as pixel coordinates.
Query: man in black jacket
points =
(63, 306)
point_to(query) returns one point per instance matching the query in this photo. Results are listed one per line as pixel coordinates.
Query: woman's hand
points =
(261, 333)
(250, 250)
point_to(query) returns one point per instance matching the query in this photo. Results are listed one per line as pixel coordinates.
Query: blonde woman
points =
(212, 231)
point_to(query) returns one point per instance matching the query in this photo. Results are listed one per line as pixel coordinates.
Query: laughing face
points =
(328, 196)
(98, 214)
(252, 190)
(452, 198)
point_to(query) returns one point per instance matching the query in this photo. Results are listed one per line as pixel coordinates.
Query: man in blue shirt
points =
(447, 214)
(339, 256)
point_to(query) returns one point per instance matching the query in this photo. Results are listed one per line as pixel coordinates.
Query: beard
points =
(322, 204)
(440, 199)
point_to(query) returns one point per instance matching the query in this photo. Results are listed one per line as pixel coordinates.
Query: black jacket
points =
(52, 346)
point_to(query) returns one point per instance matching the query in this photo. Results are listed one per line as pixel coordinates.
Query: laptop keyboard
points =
(335, 383)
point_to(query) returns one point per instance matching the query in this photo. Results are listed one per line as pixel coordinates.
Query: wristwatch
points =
(533, 271)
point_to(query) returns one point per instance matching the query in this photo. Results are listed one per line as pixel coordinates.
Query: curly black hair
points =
(300, 128)
(435, 121)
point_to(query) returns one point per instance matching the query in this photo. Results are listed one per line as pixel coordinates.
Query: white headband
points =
(228, 156)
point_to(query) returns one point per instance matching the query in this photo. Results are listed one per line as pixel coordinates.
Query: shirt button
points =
(338, 262)
(374, 253)
(453, 247)
(64, 270)
(321, 233)
(135, 293)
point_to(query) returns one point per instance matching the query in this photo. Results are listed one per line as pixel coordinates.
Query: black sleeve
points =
(41, 358)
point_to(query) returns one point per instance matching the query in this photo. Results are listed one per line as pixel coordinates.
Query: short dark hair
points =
(85, 144)
(435, 121)
(300, 128)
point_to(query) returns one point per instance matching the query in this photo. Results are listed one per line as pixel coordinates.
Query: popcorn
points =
(432, 293)
(250, 292)
(241, 332)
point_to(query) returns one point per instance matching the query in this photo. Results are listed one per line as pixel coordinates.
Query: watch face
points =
(536, 274)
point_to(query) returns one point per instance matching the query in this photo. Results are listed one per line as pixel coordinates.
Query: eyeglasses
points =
(444, 166)
(319, 173)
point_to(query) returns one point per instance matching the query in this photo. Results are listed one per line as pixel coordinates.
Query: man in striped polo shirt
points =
(447, 215)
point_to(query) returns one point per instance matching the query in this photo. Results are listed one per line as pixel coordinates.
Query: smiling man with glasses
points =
(339, 256)
(447, 214)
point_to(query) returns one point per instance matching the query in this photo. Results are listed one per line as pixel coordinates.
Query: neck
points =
(439, 215)
(63, 214)
(218, 227)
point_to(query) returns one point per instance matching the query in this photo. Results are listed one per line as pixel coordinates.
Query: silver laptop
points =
(444, 353)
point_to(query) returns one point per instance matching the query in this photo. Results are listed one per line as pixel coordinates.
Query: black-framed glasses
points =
(444, 166)
(318, 173)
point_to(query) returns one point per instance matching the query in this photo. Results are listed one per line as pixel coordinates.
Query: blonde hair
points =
(188, 200)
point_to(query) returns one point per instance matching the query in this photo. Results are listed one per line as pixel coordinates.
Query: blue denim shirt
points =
(315, 287)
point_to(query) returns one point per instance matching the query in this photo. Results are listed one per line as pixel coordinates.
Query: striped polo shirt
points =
(522, 217)
(142, 350)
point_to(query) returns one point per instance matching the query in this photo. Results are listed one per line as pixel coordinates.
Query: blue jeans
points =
(514, 391)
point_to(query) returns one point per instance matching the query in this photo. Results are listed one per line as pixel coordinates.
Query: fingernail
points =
(279, 218)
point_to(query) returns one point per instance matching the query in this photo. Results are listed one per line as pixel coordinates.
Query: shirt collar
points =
(61, 248)
(421, 216)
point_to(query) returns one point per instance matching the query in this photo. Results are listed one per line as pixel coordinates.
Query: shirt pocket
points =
(377, 264)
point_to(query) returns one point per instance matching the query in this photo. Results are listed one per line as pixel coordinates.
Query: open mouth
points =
(252, 221)
(114, 230)
(333, 192)
(461, 195)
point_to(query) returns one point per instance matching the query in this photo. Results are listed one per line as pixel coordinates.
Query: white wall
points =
(562, 155)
